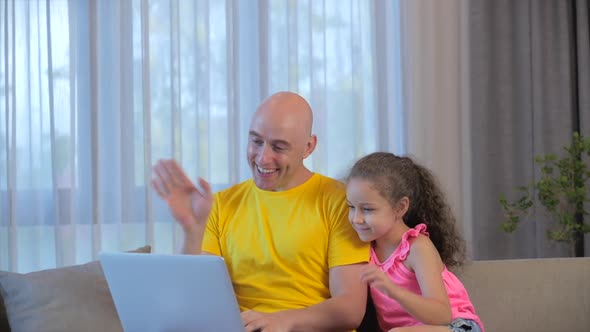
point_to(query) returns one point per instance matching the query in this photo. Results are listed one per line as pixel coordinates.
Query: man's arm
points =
(344, 311)
(193, 243)
(193, 240)
(189, 205)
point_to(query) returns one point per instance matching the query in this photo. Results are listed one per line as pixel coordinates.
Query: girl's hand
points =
(374, 277)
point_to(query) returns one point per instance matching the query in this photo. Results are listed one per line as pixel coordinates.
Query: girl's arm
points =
(433, 307)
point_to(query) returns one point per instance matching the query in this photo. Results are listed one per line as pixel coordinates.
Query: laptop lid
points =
(167, 293)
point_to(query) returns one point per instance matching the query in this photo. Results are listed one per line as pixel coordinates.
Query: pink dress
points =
(389, 313)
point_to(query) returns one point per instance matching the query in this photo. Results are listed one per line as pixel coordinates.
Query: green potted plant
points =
(562, 190)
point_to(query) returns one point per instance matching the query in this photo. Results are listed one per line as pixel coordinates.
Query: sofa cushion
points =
(542, 295)
(74, 298)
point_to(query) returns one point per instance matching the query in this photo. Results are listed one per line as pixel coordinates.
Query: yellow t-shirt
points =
(279, 246)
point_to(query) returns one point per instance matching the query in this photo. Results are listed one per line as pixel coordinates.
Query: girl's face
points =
(370, 214)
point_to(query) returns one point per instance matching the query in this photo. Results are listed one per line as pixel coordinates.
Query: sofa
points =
(73, 298)
(541, 295)
(521, 295)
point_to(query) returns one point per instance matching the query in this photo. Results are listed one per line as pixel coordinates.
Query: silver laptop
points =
(171, 293)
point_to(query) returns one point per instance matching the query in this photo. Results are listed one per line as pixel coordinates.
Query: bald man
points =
(292, 256)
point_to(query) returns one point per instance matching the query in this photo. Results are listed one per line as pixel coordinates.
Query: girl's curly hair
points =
(395, 177)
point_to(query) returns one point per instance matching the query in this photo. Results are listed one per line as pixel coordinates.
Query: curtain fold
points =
(529, 82)
(92, 93)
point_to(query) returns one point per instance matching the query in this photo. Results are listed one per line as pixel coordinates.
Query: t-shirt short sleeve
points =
(345, 247)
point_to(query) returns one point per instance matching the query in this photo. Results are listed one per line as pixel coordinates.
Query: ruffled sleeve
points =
(404, 247)
(401, 252)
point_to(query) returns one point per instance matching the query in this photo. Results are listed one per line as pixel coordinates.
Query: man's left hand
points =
(266, 322)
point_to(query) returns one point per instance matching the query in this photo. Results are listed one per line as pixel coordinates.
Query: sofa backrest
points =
(73, 298)
(546, 294)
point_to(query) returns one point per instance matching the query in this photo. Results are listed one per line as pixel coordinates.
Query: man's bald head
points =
(287, 106)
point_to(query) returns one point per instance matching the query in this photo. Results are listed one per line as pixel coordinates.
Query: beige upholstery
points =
(541, 295)
(73, 298)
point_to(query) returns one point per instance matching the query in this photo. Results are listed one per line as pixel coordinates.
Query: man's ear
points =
(310, 146)
(403, 205)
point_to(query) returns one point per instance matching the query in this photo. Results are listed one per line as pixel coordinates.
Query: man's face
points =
(277, 146)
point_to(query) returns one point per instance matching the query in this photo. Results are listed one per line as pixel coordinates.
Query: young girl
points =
(397, 206)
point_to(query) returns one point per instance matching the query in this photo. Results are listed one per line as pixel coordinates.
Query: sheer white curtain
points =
(93, 92)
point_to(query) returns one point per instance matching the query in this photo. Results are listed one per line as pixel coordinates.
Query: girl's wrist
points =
(392, 290)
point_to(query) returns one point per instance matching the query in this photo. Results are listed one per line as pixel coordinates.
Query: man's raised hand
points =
(189, 205)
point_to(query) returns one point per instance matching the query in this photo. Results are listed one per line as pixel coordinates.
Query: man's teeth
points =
(265, 171)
